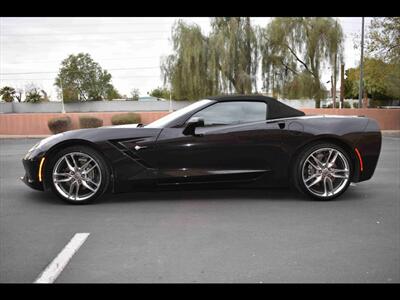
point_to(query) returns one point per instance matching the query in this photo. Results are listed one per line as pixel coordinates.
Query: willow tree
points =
(296, 49)
(224, 61)
(190, 70)
(235, 42)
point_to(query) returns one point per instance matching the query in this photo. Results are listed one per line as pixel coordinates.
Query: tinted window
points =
(224, 113)
(164, 121)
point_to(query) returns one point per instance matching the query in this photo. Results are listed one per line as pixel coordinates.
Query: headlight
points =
(34, 147)
(44, 141)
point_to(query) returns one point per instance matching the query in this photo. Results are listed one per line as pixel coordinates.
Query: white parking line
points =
(50, 274)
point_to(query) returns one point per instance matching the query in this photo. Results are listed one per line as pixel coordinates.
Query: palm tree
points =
(7, 93)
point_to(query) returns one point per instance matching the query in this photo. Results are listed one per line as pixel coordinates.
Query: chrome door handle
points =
(137, 147)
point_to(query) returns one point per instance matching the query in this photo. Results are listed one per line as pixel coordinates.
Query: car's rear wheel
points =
(323, 171)
(78, 174)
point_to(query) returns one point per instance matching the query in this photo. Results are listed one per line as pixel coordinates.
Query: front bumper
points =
(31, 177)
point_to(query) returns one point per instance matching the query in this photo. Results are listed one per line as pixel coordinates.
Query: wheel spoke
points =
(71, 189)
(70, 167)
(331, 163)
(77, 190)
(62, 174)
(88, 170)
(86, 164)
(63, 180)
(330, 185)
(91, 181)
(86, 185)
(319, 163)
(313, 165)
(311, 177)
(329, 156)
(318, 179)
(74, 161)
(325, 188)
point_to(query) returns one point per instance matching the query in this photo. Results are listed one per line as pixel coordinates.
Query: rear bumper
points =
(31, 178)
(369, 147)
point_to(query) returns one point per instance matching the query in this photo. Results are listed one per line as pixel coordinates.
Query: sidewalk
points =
(389, 133)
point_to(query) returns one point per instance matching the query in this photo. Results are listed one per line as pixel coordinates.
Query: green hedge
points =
(90, 122)
(58, 125)
(128, 118)
(346, 104)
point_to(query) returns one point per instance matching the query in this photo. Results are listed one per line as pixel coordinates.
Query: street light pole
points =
(62, 98)
(170, 98)
(361, 89)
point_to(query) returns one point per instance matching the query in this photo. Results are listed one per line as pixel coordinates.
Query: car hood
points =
(95, 135)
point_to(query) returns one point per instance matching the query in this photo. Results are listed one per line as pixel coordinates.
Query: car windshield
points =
(162, 122)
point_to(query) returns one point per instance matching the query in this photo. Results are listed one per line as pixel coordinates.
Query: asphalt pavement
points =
(204, 236)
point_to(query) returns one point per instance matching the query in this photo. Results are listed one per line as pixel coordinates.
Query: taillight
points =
(359, 158)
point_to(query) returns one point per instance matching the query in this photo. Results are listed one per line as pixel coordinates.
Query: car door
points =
(236, 143)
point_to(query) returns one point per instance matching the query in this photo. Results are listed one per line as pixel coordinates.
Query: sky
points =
(31, 49)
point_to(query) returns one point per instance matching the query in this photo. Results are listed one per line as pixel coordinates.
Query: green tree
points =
(112, 93)
(383, 39)
(381, 80)
(300, 87)
(135, 94)
(7, 93)
(34, 94)
(235, 45)
(224, 61)
(292, 47)
(190, 70)
(81, 76)
(161, 92)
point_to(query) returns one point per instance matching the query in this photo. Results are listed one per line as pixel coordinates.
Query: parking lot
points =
(204, 236)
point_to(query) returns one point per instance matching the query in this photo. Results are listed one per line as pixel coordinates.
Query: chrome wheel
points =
(77, 176)
(325, 172)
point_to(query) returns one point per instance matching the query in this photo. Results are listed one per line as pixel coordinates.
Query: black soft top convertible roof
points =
(276, 109)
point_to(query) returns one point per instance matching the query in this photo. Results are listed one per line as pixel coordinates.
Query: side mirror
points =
(192, 124)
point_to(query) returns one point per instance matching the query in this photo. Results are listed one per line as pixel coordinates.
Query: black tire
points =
(297, 175)
(98, 158)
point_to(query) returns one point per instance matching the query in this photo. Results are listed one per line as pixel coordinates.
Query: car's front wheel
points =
(78, 174)
(323, 171)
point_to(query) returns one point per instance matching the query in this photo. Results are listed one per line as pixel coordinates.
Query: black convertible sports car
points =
(239, 140)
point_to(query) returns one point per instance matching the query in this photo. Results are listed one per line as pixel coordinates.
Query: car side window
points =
(235, 112)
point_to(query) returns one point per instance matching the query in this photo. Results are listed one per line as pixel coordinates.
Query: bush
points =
(129, 118)
(346, 104)
(90, 122)
(58, 125)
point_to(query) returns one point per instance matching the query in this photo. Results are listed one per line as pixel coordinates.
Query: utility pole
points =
(62, 98)
(170, 98)
(341, 85)
(360, 91)
(334, 77)
(333, 103)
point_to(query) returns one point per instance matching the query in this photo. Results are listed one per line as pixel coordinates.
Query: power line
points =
(45, 72)
(87, 40)
(97, 24)
(130, 76)
(100, 59)
(84, 33)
